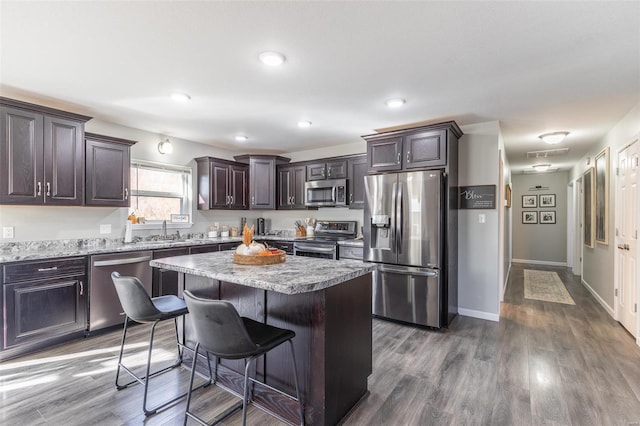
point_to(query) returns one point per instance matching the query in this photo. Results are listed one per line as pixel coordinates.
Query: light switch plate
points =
(7, 232)
(105, 228)
(482, 218)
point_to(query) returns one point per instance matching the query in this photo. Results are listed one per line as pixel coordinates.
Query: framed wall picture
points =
(588, 207)
(602, 197)
(529, 201)
(529, 217)
(507, 196)
(548, 217)
(547, 200)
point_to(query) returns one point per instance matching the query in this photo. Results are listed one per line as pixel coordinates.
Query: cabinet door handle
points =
(230, 199)
(329, 171)
(398, 158)
(39, 186)
(350, 198)
(323, 173)
(48, 189)
(53, 268)
(81, 288)
(253, 200)
(126, 194)
(408, 156)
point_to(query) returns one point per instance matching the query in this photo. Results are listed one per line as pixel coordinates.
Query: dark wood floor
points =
(542, 364)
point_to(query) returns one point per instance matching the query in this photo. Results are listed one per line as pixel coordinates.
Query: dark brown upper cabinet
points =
(290, 192)
(262, 179)
(41, 155)
(108, 169)
(331, 169)
(357, 168)
(222, 184)
(417, 148)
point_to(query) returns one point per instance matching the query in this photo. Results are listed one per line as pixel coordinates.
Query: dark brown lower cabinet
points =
(165, 282)
(43, 302)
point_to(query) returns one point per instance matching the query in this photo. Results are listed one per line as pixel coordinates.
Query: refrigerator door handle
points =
(399, 222)
(394, 218)
(408, 271)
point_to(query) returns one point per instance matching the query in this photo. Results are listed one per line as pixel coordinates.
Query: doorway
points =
(626, 286)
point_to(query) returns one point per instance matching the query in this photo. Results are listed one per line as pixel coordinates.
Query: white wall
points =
(478, 243)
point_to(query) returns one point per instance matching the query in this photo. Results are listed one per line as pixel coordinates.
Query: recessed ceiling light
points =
(541, 167)
(241, 138)
(180, 97)
(272, 59)
(554, 137)
(304, 124)
(395, 103)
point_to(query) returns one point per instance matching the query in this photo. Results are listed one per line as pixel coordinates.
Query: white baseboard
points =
(600, 300)
(539, 262)
(479, 314)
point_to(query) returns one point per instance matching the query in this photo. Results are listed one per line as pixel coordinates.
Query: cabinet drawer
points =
(44, 269)
(286, 246)
(204, 249)
(348, 252)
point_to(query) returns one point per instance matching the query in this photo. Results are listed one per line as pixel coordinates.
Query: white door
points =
(627, 237)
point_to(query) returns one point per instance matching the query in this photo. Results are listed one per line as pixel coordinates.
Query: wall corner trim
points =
(600, 300)
(479, 314)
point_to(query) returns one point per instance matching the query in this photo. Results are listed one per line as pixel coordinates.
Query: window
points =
(160, 190)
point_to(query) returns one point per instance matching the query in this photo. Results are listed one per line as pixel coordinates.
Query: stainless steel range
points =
(325, 242)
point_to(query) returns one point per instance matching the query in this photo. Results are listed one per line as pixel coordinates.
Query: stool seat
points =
(169, 306)
(265, 336)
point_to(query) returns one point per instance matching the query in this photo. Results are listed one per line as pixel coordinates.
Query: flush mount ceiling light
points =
(272, 59)
(304, 124)
(541, 167)
(554, 137)
(395, 103)
(165, 147)
(241, 138)
(180, 97)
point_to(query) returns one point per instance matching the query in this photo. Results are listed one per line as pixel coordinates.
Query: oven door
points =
(323, 251)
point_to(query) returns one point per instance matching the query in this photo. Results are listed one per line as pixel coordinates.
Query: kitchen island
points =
(328, 305)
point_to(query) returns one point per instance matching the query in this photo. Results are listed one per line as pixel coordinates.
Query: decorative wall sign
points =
(548, 217)
(547, 200)
(477, 197)
(529, 201)
(602, 197)
(529, 217)
(179, 218)
(587, 222)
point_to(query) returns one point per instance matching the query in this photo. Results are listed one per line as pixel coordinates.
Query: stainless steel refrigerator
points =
(405, 232)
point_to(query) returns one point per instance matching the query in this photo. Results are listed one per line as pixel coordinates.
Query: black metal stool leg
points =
(245, 398)
(295, 377)
(124, 335)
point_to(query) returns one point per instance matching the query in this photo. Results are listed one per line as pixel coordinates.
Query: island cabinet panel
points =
(335, 347)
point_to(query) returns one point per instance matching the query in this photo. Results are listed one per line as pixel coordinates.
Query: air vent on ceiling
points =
(547, 153)
(532, 171)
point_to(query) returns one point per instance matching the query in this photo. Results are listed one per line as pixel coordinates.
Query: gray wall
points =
(540, 243)
(598, 262)
(478, 243)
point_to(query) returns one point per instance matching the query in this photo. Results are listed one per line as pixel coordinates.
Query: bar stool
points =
(141, 308)
(221, 331)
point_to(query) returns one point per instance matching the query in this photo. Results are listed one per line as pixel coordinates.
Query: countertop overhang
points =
(298, 274)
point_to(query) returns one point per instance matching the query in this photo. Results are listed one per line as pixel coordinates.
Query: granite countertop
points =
(298, 274)
(35, 250)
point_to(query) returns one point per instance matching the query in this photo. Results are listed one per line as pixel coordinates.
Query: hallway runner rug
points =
(546, 286)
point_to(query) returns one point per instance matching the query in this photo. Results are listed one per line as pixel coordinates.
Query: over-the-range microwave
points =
(325, 193)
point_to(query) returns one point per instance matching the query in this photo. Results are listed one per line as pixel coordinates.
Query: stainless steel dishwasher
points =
(105, 309)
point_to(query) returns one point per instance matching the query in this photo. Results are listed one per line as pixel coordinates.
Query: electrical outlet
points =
(482, 218)
(7, 232)
(105, 228)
